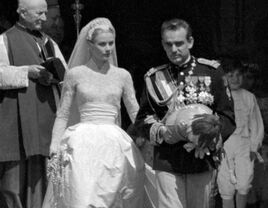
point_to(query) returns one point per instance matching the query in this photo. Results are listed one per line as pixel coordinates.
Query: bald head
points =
(31, 4)
(32, 13)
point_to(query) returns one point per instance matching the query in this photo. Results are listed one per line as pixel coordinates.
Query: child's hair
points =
(231, 64)
(251, 69)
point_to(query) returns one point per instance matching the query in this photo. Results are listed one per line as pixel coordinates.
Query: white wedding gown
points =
(98, 166)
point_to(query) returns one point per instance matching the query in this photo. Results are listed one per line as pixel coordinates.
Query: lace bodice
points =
(84, 85)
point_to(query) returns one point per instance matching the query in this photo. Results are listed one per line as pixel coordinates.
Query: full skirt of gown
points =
(98, 166)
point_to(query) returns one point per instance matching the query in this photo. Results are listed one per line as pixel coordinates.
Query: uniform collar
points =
(183, 66)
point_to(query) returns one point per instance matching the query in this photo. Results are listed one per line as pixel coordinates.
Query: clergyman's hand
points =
(34, 71)
(46, 78)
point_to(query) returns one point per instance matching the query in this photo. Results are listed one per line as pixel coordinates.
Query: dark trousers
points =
(23, 183)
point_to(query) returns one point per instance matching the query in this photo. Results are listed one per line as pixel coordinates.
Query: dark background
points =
(220, 27)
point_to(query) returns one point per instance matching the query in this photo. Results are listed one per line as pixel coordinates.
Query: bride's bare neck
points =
(100, 64)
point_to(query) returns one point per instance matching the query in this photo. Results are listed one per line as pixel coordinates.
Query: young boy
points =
(236, 169)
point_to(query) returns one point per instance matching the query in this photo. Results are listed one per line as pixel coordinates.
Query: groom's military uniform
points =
(161, 83)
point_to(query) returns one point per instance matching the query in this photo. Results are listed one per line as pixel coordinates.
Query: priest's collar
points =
(35, 33)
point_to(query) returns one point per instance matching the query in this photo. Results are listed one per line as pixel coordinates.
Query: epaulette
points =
(155, 69)
(213, 63)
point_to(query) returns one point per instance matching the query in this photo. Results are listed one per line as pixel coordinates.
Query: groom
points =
(184, 179)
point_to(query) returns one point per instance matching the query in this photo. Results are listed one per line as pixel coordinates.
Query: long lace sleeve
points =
(63, 113)
(256, 126)
(129, 98)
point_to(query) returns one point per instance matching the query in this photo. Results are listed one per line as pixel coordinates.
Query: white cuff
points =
(155, 138)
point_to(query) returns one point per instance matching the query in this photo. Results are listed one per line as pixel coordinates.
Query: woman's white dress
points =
(98, 166)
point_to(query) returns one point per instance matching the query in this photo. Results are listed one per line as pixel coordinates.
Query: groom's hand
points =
(171, 134)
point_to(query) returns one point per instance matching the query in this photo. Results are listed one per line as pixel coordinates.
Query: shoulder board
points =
(155, 69)
(213, 63)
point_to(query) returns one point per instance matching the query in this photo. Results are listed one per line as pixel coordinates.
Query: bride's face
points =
(103, 44)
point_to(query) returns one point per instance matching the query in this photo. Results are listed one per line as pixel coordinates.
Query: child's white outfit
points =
(236, 169)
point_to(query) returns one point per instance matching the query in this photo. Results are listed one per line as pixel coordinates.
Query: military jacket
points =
(192, 78)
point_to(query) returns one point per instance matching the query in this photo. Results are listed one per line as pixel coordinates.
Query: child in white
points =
(236, 170)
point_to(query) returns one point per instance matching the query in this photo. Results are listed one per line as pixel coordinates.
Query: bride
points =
(94, 164)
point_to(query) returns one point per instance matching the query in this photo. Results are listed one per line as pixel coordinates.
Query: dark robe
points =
(26, 115)
(26, 119)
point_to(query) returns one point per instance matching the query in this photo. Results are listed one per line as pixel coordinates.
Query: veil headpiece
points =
(82, 52)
